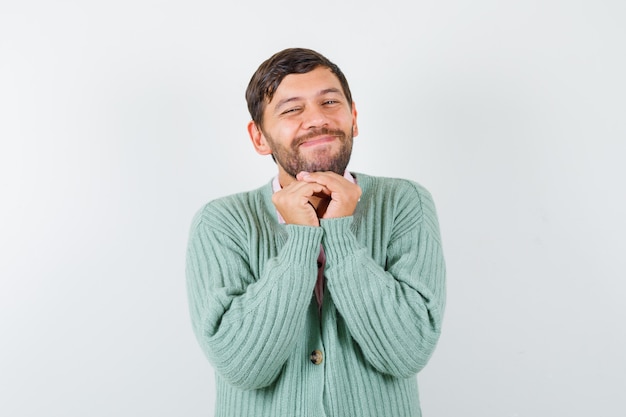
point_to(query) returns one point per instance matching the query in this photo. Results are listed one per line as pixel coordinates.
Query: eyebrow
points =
(282, 102)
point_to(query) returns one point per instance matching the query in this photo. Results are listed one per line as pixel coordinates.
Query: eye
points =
(331, 101)
(291, 110)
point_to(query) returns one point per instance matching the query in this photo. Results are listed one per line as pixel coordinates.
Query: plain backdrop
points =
(119, 119)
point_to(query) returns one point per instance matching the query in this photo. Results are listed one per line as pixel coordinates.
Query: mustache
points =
(318, 132)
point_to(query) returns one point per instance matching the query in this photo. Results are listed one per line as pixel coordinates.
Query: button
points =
(316, 357)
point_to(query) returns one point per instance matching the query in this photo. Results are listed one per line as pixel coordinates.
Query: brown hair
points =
(270, 74)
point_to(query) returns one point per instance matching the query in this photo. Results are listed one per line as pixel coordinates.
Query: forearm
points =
(244, 324)
(394, 314)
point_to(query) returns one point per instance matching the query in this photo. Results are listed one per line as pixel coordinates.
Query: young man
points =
(322, 292)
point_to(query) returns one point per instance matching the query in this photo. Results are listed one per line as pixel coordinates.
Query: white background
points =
(119, 119)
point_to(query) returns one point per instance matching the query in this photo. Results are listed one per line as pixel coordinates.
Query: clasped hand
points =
(316, 195)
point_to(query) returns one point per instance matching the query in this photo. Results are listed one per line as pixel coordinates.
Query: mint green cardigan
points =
(250, 282)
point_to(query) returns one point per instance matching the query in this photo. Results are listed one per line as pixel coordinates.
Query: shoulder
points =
(396, 189)
(234, 210)
(403, 199)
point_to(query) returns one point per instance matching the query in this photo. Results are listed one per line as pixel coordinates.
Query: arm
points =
(245, 324)
(394, 312)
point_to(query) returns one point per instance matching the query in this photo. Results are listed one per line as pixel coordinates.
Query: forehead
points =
(312, 83)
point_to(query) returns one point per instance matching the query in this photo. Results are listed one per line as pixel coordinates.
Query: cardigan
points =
(321, 260)
(250, 286)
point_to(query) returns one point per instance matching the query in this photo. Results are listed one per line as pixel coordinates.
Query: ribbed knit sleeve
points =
(393, 306)
(248, 321)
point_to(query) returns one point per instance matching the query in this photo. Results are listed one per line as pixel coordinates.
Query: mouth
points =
(318, 140)
(318, 137)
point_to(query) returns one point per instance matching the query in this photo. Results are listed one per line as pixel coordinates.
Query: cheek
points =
(285, 133)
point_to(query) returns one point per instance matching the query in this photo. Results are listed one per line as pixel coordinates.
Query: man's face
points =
(308, 125)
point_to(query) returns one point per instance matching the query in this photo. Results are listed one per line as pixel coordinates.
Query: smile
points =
(320, 140)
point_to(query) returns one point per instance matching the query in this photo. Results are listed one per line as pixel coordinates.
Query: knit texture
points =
(250, 283)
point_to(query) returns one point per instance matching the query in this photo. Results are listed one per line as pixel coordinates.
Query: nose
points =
(314, 117)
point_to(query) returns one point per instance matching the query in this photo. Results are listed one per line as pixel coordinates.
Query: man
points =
(322, 292)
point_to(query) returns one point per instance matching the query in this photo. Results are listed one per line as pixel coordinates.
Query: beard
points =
(321, 159)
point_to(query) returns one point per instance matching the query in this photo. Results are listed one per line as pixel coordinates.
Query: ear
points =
(355, 126)
(258, 139)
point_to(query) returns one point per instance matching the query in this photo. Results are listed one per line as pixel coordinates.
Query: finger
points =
(300, 175)
(330, 180)
(307, 188)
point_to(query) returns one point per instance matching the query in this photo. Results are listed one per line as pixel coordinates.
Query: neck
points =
(284, 179)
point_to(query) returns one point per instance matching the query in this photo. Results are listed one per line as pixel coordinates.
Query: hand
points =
(344, 195)
(297, 202)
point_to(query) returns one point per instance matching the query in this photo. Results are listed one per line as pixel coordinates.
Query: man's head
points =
(302, 113)
(270, 74)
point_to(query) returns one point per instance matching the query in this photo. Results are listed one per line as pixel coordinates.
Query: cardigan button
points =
(316, 357)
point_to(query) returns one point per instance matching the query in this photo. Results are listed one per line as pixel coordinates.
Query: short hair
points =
(270, 74)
